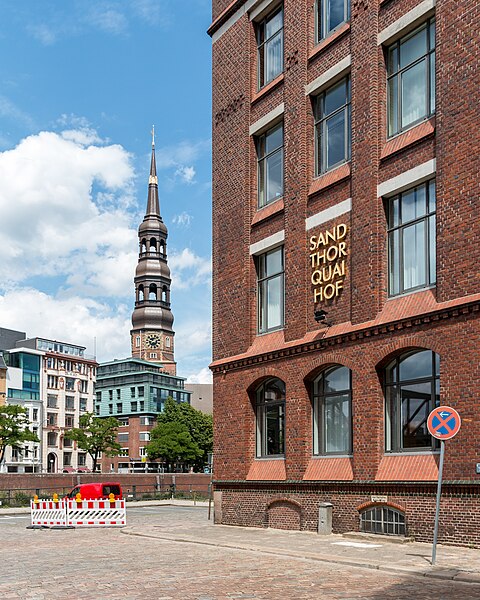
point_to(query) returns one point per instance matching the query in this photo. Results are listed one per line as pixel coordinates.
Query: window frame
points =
(429, 220)
(397, 72)
(262, 284)
(394, 438)
(261, 419)
(397, 520)
(319, 399)
(263, 161)
(260, 27)
(320, 122)
(321, 18)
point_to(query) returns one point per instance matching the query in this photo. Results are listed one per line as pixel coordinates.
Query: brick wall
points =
(368, 328)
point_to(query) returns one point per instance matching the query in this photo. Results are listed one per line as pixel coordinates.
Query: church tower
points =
(152, 332)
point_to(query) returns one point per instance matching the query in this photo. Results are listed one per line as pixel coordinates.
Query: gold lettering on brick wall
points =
(328, 256)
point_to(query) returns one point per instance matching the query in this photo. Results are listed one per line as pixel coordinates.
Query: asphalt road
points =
(107, 564)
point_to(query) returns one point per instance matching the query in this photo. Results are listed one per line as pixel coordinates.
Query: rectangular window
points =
(142, 451)
(332, 126)
(144, 436)
(411, 78)
(51, 401)
(82, 460)
(141, 391)
(69, 402)
(119, 394)
(51, 439)
(123, 421)
(411, 239)
(51, 419)
(119, 407)
(132, 392)
(147, 420)
(123, 452)
(67, 443)
(35, 414)
(52, 381)
(70, 384)
(83, 404)
(110, 395)
(270, 274)
(330, 15)
(83, 386)
(270, 47)
(67, 459)
(270, 413)
(99, 396)
(110, 409)
(270, 165)
(69, 421)
(133, 406)
(123, 437)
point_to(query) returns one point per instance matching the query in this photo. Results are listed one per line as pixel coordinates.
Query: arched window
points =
(152, 292)
(141, 296)
(137, 341)
(164, 293)
(383, 520)
(270, 412)
(412, 390)
(332, 411)
(162, 247)
(153, 245)
(143, 246)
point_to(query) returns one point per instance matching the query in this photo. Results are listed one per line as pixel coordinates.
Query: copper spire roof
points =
(153, 204)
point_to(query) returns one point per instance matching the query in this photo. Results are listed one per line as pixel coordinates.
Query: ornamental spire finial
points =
(153, 136)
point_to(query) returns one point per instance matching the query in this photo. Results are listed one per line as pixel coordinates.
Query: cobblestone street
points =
(107, 564)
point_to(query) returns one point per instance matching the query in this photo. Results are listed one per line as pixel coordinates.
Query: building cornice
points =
(322, 342)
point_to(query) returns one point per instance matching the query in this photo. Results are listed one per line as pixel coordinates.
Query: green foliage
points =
(198, 424)
(96, 435)
(14, 430)
(172, 443)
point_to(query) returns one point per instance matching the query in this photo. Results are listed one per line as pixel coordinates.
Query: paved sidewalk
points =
(374, 552)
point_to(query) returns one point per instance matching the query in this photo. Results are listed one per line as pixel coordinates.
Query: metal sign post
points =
(443, 423)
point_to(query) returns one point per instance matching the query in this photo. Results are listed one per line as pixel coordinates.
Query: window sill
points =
(329, 468)
(329, 40)
(407, 138)
(411, 466)
(268, 88)
(267, 469)
(330, 178)
(268, 211)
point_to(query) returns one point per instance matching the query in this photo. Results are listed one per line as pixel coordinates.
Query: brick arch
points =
(396, 347)
(327, 360)
(272, 374)
(366, 505)
(284, 513)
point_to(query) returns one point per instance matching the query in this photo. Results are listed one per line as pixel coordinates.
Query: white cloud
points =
(189, 269)
(108, 19)
(50, 220)
(184, 152)
(74, 320)
(203, 376)
(43, 33)
(182, 220)
(186, 174)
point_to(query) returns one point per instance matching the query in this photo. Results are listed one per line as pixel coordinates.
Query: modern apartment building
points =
(134, 392)
(55, 382)
(345, 262)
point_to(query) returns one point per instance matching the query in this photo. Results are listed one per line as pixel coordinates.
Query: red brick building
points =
(345, 258)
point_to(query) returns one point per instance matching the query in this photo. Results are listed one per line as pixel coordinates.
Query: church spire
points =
(152, 319)
(153, 204)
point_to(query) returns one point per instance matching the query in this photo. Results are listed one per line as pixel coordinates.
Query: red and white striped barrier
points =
(49, 513)
(72, 513)
(96, 513)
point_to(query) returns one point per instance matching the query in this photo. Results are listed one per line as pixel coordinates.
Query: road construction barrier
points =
(75, 512)
(96, 513)
(48, 512)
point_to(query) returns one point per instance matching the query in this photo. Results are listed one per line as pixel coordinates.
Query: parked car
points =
(97, 491)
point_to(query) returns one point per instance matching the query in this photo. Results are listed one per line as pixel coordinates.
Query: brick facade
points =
(368, 328)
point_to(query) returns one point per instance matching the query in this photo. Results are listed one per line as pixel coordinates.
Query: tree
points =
(172, 443)
(96, 435)
(14, 430)
(198, 424)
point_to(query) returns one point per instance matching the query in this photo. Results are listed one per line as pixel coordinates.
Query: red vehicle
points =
(97, 491)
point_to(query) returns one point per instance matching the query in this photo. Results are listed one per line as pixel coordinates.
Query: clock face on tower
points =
(152, 340)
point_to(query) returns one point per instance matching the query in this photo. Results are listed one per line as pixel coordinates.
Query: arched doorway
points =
(51, 462)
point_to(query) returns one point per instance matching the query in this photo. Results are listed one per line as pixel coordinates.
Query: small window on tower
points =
(167, 342)
(153, 355)
(137, 342)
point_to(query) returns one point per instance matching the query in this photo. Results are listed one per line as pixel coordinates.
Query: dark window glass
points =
(332, 126)
(412, 391)
(330, 15)
(382, 520)
(270, 165)
(270, 410)
(270, 302)
(270, 47)
(411, 239)
(332, 401)
(411, 78)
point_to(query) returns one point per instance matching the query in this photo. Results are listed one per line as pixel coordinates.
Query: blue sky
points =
(81, 83)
